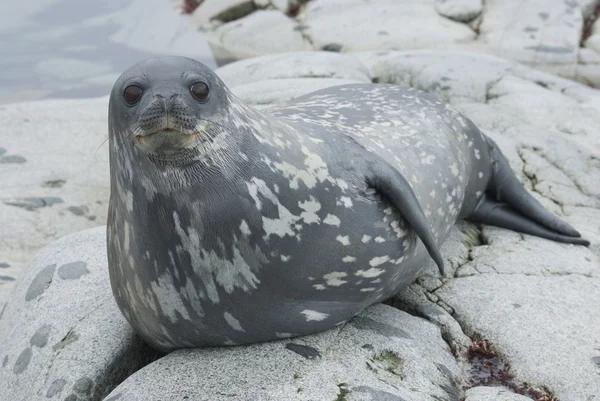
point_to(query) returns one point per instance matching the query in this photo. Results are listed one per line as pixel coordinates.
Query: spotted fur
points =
(232, 226)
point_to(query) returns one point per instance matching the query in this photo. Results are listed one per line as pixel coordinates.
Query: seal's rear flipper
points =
(501, 215)
(505, 187)
(389, 183)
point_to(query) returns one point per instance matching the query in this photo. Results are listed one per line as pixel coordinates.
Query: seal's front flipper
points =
(505, 187)
(501, 215)
(389, 183)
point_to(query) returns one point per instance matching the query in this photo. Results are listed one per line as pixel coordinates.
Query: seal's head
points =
(165, 105)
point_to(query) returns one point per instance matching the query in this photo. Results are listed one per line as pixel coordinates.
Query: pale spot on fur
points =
(370, 289)
(347, 202)
(454, 169)
(310, 207)
(366, 238)
(244, 228)
(372, 272)
(319, 286)
(344, 240)
(348, 259)
(332, 220)
(313, 315)
(285, 258)
(334, 278)
(378, 260)
(233, 322)
(379, 240)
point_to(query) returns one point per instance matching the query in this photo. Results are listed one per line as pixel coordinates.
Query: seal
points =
(228, 225)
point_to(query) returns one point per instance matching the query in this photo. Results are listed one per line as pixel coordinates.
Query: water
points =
(78, 48)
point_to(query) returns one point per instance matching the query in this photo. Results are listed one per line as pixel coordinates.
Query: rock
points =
(459, 10)
(355, 25)
(593, 42)
(588, 70)
(543, 33)
(283, 5)
(54, 174)
(262, 32)
(62, 335)
(493, 394)
(503, 285)
(222, 10)
(316, 64)
(382, 354)
(525, 313)
(270, 92)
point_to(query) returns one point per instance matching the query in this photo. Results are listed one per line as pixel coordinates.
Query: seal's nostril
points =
(171, 101)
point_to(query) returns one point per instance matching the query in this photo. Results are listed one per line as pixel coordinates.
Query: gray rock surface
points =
(459, 10)
(382, 354)
(548, 128)
(54, 174)
(355, 25)
(269, 92)
(222, 10)
(62, 335)
(544, 34)
(546, 324)
(260, 33)
(541, 31)
(493, 394)
(293, 65)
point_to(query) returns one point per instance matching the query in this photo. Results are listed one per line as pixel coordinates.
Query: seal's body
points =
(232, 226)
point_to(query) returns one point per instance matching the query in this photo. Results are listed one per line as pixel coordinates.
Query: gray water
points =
(78, 48)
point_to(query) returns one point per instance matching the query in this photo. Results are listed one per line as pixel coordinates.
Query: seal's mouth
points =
(169, 139)
(166, 131)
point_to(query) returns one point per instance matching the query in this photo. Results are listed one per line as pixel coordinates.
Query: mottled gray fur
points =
(230, 226)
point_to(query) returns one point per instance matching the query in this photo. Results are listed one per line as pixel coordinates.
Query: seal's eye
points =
(200, 91)
(132, 94)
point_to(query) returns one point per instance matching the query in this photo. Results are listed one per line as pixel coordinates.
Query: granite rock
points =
(271, 92)
(260, 33)
(546, 325)
(546, 35)
(547, 127)
(222, 10)
(54, 174)
(459, 10)
(493, 394)
(356, 25)
(381, 354)
(305, 64)
(62, 335)
(542, 32)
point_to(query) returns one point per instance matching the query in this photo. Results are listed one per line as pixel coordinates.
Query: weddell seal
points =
(228, 225)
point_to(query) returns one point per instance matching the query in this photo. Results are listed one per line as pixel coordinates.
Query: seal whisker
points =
(118, 132)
